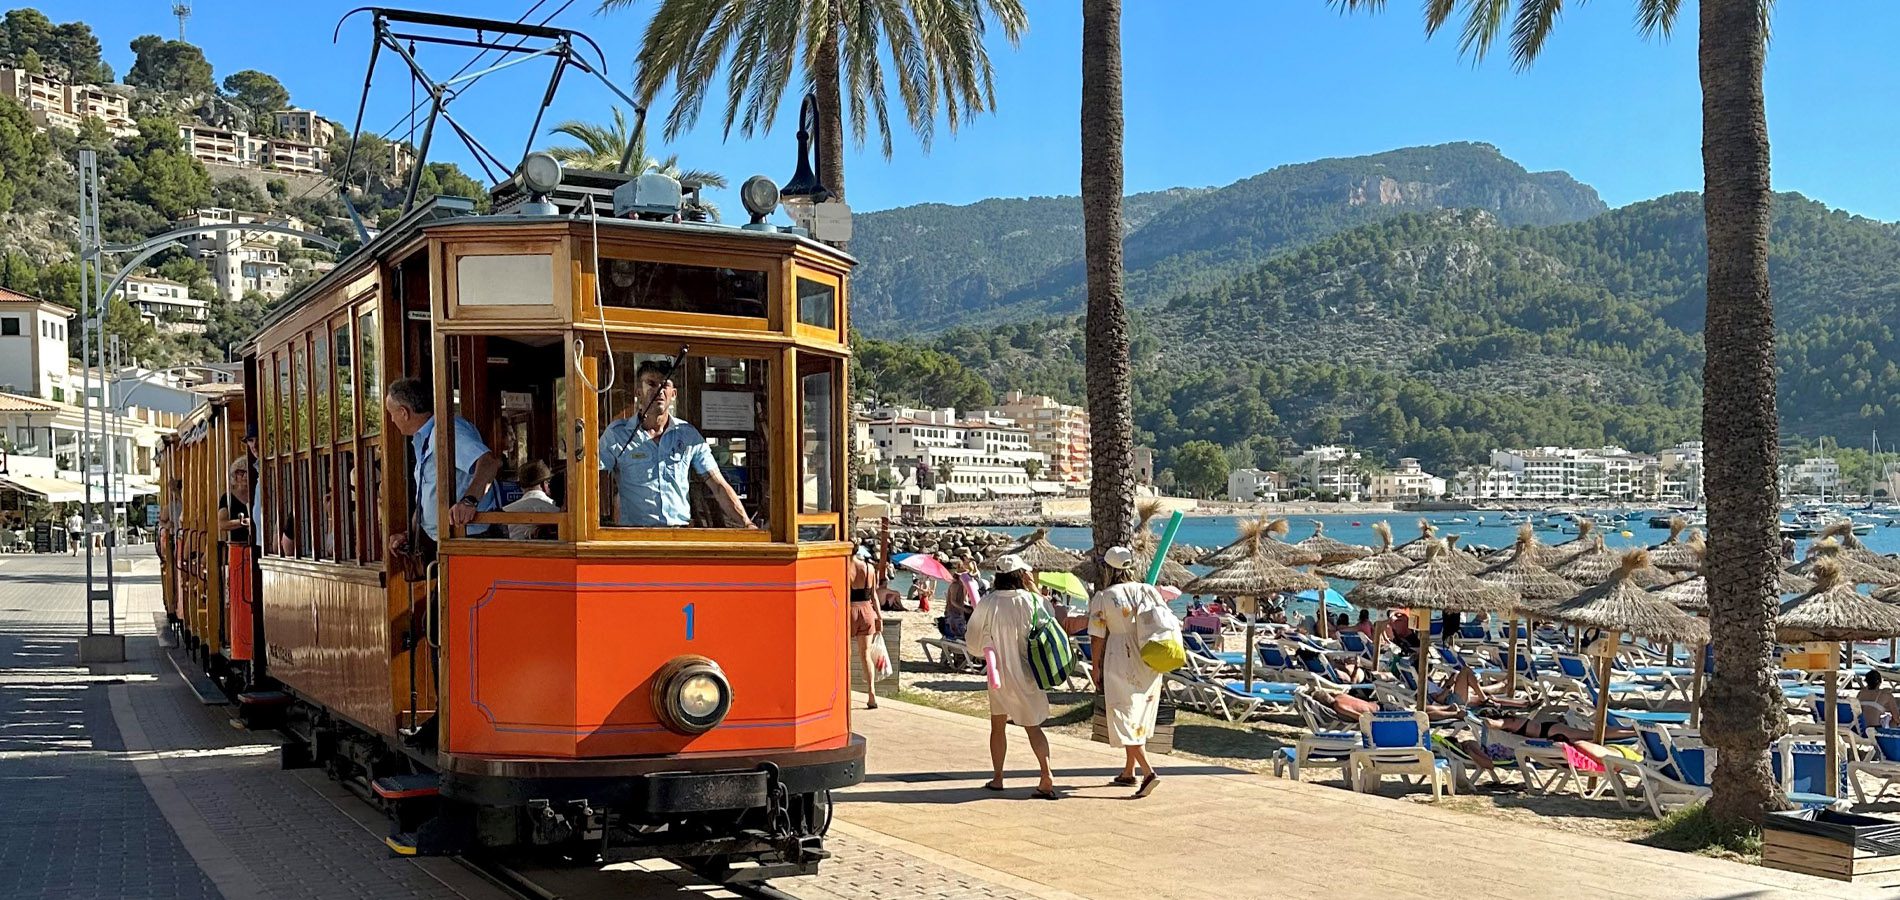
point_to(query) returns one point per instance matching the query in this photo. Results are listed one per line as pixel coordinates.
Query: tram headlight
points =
(691, 695)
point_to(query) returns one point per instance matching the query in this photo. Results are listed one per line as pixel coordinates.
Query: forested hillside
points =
(1443, 335)
(930, 267)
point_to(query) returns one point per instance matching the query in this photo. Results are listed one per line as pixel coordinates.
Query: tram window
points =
(323, 504)
(323, 405)
(369, 342)
(345, 385)
(507, 388)
(346, 495)
(285, 400)
(638, 284)
(302, 514)
(300, 399)
(373, 530)
(817, 434)
(817, 304)
(713, 450)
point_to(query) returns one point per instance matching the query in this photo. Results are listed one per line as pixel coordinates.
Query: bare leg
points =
(1128, 768)
(999, 745)
(1039, 745)
(1139, 755)
(862, 644)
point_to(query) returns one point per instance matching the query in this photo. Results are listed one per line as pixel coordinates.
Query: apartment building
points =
(1407, 482)
(33, 342)
(52, 103)
(239, 259)
(240, 148)
(167, 304)
(306, 127)
(1057, 430)
(1248, 485)
(935, 455)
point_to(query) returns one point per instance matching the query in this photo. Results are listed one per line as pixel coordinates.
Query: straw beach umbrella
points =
(1416, 548)
(1371, 568)
(1262, 537)
(1618, 605)
(1533, 584)
(1599, 563)
(1692, 595)
(1173, 574)
(1468, 563)
(1533, 550)
(1256, 576)
(1675, 554)
(1586, 530)
(1850, 568)
(1331, 551)
(1852, 548)
(1041, 555)
(1835, 612)
(1432, 584)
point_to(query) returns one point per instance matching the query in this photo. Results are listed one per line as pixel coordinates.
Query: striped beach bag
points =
(1050, 653)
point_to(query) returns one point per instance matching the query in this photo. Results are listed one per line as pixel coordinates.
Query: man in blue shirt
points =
(649, 459)
(411, 407)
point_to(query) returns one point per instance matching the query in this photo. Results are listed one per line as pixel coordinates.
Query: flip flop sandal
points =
(992, 786)
(1041, 794)
(1119, 781)
(1147, 787)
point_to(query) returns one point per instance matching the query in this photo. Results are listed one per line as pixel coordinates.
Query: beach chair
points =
(1197, 645)
(1328, 741)
(1800, 767)
(1358, 644)
(1885, 764)
(1540, 762)
(1582, 670)
(953, 656)
(1674, 770)
(1397, 743)
(1475, 630)
(1276, 664)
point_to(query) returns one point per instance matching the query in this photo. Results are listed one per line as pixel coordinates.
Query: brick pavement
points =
(1215, 832)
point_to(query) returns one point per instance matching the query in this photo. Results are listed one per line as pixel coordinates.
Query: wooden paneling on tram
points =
(195, 463)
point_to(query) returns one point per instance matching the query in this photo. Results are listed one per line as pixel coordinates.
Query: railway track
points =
(579, 882)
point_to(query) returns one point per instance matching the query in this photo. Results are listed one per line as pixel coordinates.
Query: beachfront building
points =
(1679, 473)
(1587, 473)
(1327, 470)
(1407, 482)
(1250, 485)
(1059, 431)
(1813, 475)
(936, 456)
(33, 346)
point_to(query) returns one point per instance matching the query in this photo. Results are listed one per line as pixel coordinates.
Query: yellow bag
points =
(1164, 654)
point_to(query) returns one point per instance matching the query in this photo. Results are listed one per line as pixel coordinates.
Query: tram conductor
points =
(410, 405)
(650, 458)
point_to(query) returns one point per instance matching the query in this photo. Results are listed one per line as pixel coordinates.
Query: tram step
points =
(405, 787)
(264, 698)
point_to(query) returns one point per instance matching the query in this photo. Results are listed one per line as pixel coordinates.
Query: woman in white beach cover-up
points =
(1131, 691)
(1001, 623)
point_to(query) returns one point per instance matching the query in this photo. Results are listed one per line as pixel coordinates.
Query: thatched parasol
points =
(1834, 612)
(1852, 548)
(1528, 547)
(1599, 563)
(1041, 555)
(1255, 575)
(1586, 529)
(1674, 554)
(1173, 574)
(1692, 594)
(1372, 568)
(1888, 594)
(1416, 548)
(1434, 583)
(1850, 568)
(1331, 551)
(1268, 544)
(1468, 563)
(1533, 584)
(1620, 604)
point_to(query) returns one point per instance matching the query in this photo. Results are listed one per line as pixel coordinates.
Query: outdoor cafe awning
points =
(1010, 490)
(51, 490)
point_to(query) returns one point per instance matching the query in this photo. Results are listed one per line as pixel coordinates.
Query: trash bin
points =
(1843, 846)
(1161, 742)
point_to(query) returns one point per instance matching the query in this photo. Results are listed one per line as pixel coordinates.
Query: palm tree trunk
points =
(1743, 710)
(826, 63)
(1111, 411)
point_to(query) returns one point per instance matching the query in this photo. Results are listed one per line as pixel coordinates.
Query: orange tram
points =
(556, 678)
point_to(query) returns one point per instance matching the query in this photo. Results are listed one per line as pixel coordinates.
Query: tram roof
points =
(445, 211)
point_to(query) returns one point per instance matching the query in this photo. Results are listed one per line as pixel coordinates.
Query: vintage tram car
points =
(553, 679)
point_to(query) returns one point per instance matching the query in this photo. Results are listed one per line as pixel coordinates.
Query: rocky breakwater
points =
(943, 543)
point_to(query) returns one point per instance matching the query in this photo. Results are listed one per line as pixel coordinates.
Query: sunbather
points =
(1879, 696)
(1550, 725)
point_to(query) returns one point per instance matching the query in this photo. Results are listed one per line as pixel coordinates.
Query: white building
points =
(936, 457)
(33, 347)
(242, 259)
(1059, 430)
(166, 304)
(51, 103)
(1813, 475)
(306, 127)
(1680, 473)
(1248, 485)
(1327, 469)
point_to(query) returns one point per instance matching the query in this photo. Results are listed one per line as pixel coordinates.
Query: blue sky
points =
(1216, 90)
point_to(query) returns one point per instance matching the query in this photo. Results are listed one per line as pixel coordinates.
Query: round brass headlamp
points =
(691, 695)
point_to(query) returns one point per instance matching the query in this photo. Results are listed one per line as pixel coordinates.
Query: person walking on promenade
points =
(864, 620)
(1131, 691)
(1000, 623)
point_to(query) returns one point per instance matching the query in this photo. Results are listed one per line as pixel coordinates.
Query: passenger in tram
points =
(533, 479)
(410, 405)
(234, 509)
(649, 460)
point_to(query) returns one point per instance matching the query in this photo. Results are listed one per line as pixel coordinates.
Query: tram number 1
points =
(688, 610)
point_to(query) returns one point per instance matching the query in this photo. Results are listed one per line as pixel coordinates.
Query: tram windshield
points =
(684, 447)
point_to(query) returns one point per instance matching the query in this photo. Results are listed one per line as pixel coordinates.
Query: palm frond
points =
(1532, 27)
(1483, 20)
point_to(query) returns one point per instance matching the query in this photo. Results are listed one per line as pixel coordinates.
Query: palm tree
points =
(1111, 411)
(1743, 706)
(603, 146)
(935, 48)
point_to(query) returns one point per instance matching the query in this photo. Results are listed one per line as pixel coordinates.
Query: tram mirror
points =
(686, 448)
(671, 287)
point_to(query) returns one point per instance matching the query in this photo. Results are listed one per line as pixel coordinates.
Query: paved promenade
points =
(117, 782)
(1209, 832)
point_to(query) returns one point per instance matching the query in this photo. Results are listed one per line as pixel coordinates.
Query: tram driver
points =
(410, 404)
(649, 458)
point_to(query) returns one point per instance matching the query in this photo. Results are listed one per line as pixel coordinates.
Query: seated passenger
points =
(649, 459)
(533, 478)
